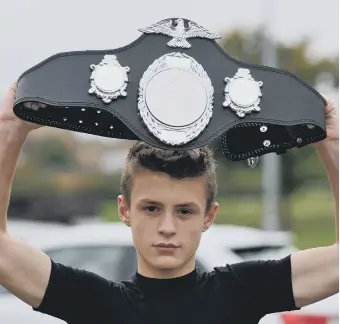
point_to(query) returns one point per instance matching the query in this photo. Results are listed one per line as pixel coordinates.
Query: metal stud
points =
(64, 119)
(263, 129)
(266, 143)
(83, 109)
(80, 121)
(96, 124)
(299, 140)
(111, 127)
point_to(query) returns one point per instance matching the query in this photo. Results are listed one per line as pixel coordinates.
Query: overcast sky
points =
(31, 30)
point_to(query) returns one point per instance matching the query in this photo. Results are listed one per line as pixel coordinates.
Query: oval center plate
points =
(176, 97)
(175, 100)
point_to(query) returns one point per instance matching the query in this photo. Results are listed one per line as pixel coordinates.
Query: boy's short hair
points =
(175, 163)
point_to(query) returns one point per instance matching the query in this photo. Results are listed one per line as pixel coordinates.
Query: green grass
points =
(312, 216)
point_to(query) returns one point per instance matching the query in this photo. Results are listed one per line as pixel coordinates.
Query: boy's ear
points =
(210, 216)
(123, 210)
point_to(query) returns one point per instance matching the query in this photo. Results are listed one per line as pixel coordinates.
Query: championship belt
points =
(174, 88)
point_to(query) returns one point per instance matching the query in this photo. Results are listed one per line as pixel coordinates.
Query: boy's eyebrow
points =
(151, 201)
(189, 204)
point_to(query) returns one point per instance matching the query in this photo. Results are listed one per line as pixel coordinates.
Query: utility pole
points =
(270, 163)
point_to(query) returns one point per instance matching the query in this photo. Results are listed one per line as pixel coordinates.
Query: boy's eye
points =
(151, 209)
(184, 211)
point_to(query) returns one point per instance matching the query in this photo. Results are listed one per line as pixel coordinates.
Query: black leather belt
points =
(174, 87)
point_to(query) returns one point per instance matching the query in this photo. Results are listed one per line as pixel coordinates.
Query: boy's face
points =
(167, 217)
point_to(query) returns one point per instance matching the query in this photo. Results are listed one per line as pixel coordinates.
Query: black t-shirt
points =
(238, 293)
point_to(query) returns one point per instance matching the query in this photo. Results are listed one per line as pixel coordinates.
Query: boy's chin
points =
(167, 263)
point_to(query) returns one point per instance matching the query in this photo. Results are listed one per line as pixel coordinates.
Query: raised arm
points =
(307, 276)
(24, 270)
(315, 272)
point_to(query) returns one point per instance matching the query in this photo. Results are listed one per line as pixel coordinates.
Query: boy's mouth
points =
(166, 246)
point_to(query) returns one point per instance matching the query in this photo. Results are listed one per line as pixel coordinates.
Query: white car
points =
(107, 249)
(28, 229)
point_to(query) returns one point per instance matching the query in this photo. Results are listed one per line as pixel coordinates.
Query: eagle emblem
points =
(179, 32)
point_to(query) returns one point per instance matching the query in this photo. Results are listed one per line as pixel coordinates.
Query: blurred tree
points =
(246, 46)
(52, 153)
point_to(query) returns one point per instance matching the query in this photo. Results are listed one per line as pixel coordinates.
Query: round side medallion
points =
(175, 98)
(242, 93)
(109, 79)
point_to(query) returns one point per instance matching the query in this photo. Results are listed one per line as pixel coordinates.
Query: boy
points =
(168, 200)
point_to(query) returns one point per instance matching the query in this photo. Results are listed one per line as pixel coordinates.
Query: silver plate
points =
(179, 33)
(175, 98)
(109, 79)
(242, 93)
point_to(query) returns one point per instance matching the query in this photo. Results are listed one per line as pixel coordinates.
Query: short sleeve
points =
(78, 296)
(268, 283)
